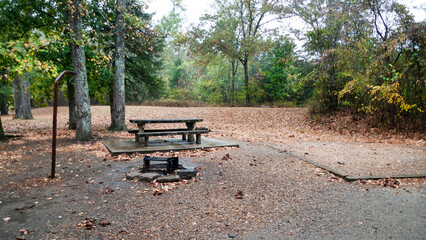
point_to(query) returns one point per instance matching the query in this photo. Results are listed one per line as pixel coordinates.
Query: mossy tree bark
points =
(2, 135)
(83, 116)
(22, 96)
(72, 125)
(118, 105)
(17, 97)
(71, 105)
(26, 97)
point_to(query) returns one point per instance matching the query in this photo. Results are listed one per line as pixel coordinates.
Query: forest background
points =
(363, 57)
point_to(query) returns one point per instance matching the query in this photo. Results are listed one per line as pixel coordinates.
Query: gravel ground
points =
(363, 159)
(282, 198)
(357, 153)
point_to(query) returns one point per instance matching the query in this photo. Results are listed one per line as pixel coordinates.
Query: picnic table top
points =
(181, 120)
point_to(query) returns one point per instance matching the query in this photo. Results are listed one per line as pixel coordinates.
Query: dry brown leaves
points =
(393, 182)
(160, 188)
(186, 153)
(239, 195)
(34, 182)
(248, 124)
(280, 125)
(385, 182)
(88, 223)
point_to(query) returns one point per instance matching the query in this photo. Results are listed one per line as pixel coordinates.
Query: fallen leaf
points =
(239, 195)
(156, 192)
(108, 191)
(24, 207)
(88, 223)
(104, 223)
(226, 157)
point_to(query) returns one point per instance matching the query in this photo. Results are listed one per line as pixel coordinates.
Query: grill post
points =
(55, 119)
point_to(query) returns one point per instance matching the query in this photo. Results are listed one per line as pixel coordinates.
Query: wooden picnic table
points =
(189, 122)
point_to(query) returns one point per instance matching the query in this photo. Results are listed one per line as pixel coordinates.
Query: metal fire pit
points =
(172, 163)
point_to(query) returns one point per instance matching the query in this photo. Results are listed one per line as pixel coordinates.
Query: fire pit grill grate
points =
(172, 163)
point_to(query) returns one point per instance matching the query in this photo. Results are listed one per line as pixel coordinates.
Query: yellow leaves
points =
(23, 53)
(374, 98)
(390, 94)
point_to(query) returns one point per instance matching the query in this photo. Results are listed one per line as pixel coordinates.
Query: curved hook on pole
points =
(55, 117)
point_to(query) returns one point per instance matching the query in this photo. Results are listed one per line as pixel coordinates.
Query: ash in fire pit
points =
(163, 169)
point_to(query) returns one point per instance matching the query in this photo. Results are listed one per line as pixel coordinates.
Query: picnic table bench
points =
(142, 134)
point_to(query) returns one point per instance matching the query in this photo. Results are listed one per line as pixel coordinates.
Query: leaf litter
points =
(233, 179)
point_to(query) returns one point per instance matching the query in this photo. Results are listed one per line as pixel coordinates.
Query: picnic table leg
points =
(141, 127)
(198, 138)
(146, 141)
(190, 126)
(147, 163)
(175, 162)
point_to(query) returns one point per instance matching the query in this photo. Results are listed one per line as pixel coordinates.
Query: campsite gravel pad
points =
(363, 159)
(252, 192)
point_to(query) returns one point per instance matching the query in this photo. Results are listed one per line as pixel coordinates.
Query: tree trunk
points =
(111, 103)
(3, 97)
(234, 74)
(118, 109)
(83, 121)
(72, 124)
(3, 107)
(21, 92)
(26, 98)
(246, 83)
(2, 135)
(17, 95)
(71, 105)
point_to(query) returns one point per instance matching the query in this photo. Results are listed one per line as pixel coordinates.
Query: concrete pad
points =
(117, 147)
(361, 161)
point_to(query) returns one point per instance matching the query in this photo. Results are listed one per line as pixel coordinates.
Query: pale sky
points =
(417, 8)
(195, 8)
